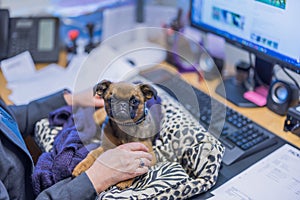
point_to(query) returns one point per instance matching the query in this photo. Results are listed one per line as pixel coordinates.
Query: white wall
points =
(25, 7)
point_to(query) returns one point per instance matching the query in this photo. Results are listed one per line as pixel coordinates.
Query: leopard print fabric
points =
(188, 159)
(45, 134)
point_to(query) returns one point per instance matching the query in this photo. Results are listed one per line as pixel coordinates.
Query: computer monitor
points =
(266, 28)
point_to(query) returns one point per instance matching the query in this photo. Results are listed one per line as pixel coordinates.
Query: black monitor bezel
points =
(261, 55)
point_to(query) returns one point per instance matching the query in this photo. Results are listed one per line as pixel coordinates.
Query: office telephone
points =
(39, 35)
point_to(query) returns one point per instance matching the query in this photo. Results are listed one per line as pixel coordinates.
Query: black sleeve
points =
(79, 188)
(27, 115)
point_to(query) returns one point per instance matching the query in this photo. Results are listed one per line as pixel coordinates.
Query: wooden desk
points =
(262, 116)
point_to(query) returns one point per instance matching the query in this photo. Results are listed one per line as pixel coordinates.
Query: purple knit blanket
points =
(68, 147)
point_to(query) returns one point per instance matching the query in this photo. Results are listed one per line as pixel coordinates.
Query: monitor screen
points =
(267, 28)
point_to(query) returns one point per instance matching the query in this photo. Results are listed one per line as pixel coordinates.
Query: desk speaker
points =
(292, 121)
(281, 96)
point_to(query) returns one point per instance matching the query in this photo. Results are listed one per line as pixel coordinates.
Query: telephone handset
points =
(38, 35)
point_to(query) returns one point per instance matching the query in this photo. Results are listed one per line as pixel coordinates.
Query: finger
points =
(141, 170)
(142, 162)
(134, 146)
(142, 154)
(98, 102)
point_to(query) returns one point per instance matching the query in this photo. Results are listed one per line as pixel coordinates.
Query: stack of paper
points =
(275, 177)
(84, 71)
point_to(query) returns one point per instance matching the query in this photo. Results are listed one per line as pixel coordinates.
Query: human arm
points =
(79, 188)
(27, 115)
(113, 166)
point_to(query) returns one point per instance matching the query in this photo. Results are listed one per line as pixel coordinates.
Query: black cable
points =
(140, 11)
(250, 83)
(292, 78)
(250, 59)
(257, 78)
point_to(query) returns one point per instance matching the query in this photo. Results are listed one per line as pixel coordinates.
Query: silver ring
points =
(142, 164)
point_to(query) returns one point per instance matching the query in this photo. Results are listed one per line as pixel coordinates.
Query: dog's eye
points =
(134, 101)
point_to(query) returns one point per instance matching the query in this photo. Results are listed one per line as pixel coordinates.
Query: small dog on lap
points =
(125, 118)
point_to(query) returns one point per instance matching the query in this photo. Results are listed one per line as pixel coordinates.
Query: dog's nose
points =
(123, 105)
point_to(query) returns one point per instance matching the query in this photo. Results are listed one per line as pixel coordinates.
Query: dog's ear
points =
(148, 91)
(100, 88)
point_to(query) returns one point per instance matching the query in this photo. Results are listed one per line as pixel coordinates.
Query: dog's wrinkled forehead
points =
(123, 90)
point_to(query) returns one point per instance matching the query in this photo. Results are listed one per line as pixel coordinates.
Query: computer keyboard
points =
(241, 136)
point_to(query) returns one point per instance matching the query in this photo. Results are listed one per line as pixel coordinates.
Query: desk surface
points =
(262, 116)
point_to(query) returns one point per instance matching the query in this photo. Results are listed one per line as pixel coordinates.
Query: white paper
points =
(44, 82)
(19, 67)
(83, 72)
(274, 177)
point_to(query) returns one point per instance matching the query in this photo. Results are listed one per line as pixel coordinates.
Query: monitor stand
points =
(234, 91)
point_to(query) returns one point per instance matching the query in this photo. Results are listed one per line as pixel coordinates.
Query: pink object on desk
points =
(262, 90)
(258, 96)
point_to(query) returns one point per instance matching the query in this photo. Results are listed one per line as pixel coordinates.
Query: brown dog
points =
(128, 120)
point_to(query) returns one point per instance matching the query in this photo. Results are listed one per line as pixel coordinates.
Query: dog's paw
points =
(87, 162)
(82, 166)
(124, 184)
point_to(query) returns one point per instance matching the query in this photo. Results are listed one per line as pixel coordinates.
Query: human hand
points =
(84, 98)
(119, 164)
